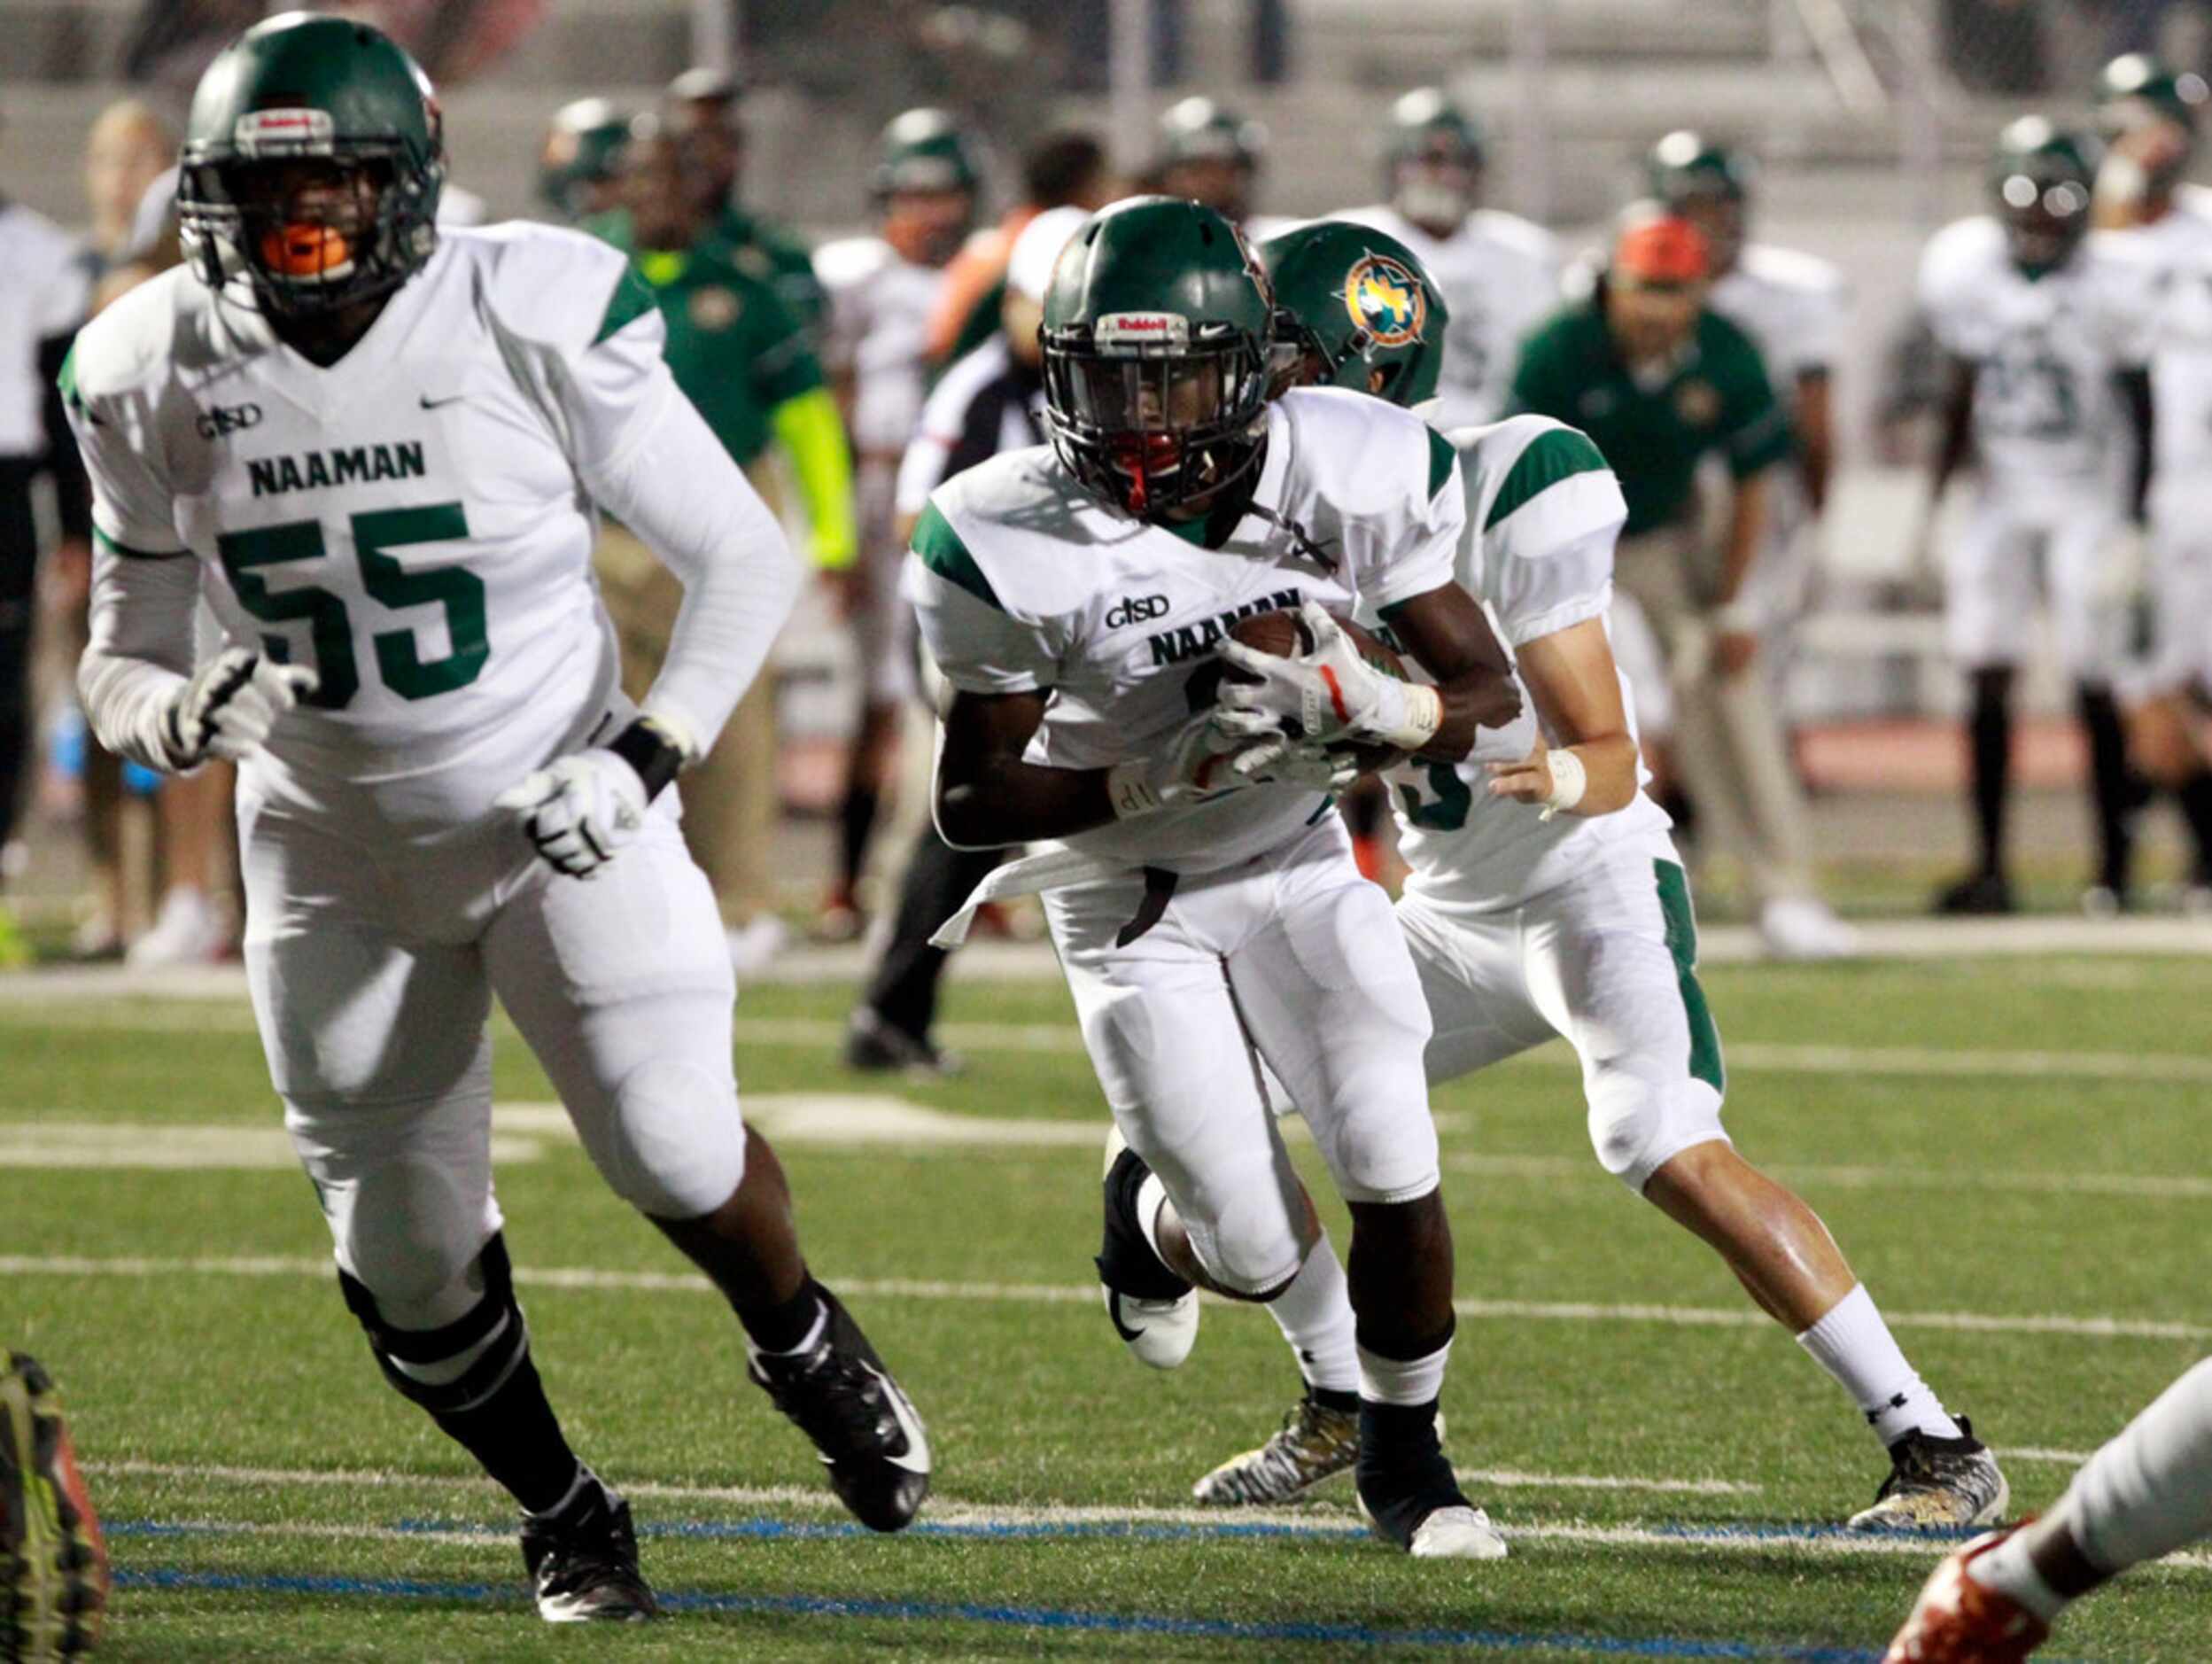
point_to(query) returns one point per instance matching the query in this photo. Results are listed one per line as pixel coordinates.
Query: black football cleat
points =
(583, 1562)
(1977, 894)
(864, 1428)
(1408, 1493)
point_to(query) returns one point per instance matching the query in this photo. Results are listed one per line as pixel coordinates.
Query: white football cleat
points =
(1804, 928)
(1157, 1324)
(1457, 1534)
(1160, 1332)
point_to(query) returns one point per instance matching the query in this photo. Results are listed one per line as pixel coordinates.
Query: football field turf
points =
(2016, 1154)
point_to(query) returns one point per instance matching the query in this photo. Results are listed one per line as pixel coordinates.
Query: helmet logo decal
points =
(283, 131)
(1138, 332)
(1386, 300)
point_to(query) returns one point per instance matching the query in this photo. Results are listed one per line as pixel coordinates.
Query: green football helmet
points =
(581, 152)
(924, 149)
(2041, 181)
(1157, 337)
(1434, 160)
(1706, 182)
(1354, 302)
(297, 90)
(2138, 89)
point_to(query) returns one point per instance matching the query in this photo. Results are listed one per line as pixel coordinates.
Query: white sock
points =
(1314, 1314)
(1151, 1196)
(2150, 1490)
(1412, 1382)
(2009, 1570)
(1854, 1345)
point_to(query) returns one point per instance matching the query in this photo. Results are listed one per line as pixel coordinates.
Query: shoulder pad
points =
(131, 343)
(1513, 468)
(1524, 237)
(1790, 268)
(550, 285)
(1356, 451)
(851, 259)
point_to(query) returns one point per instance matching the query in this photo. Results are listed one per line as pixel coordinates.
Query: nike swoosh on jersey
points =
(430, 403)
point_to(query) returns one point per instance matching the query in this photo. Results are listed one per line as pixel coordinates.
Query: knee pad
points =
(674, 1145)
(1383, 1149)
(1637, 1126)
(1250, 1245)
(453, 1369)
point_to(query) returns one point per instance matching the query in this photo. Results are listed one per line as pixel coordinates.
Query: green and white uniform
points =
(2050, 434)
(415, 522)
(1023, 582)
(2176, 252)
(1524, 929)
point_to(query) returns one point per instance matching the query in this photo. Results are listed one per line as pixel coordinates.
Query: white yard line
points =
(792, 1496)
(2149, 1187)
(1749, 1539)
(2101, 1329)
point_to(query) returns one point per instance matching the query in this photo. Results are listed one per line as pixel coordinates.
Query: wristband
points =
(1413, 723)
(653, 750)
(1569, 780)
(1129, 789)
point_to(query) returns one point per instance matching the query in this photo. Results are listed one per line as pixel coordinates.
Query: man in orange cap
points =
(1661, 382)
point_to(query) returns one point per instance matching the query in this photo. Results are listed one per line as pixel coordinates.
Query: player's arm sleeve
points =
(814, 437)
(648, 457)
(980, 645)
(1398, 555)
(144, 582)
(1547, 537)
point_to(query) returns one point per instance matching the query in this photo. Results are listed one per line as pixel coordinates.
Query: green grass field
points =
(2017, 1154)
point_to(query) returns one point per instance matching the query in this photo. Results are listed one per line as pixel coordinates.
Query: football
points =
(1283, 634)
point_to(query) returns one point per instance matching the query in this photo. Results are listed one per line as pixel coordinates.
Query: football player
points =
(576, 165)
(372, 446)
(1073, 595)
(1546, 899)
(882, 291)
(2141, 1497)
(1498, 273)
(1208, 153)
(1793, 307)
(2149, 115)
(2042, 328)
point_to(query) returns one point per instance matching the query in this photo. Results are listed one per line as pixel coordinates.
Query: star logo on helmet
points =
(1386, 300)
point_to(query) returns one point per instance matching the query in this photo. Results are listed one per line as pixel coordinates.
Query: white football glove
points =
(230, 707)
(579, 810)
(1194, 764)
(1330, 692)
(1283, 761)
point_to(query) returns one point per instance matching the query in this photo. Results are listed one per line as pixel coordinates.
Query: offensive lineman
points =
(1497, 273)
(2042, 327)
(367, 443)
(1546, 899)
(1072, 595)
(883, 290)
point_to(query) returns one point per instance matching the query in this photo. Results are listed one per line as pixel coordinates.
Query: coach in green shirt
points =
(743, 359)
(1662, 384)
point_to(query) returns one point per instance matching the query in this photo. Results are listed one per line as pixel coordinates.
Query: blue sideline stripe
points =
(1026, 1618)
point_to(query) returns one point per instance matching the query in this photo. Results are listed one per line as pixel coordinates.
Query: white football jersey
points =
(412, 522)
(2045, 419)
(1543, 513)
(1024, 582)
(1792, 305)
(2177, 255)
(879, 305)
(1499, 275)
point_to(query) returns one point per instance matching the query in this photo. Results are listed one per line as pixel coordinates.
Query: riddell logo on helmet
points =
(1141, 330)
(286, 129)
